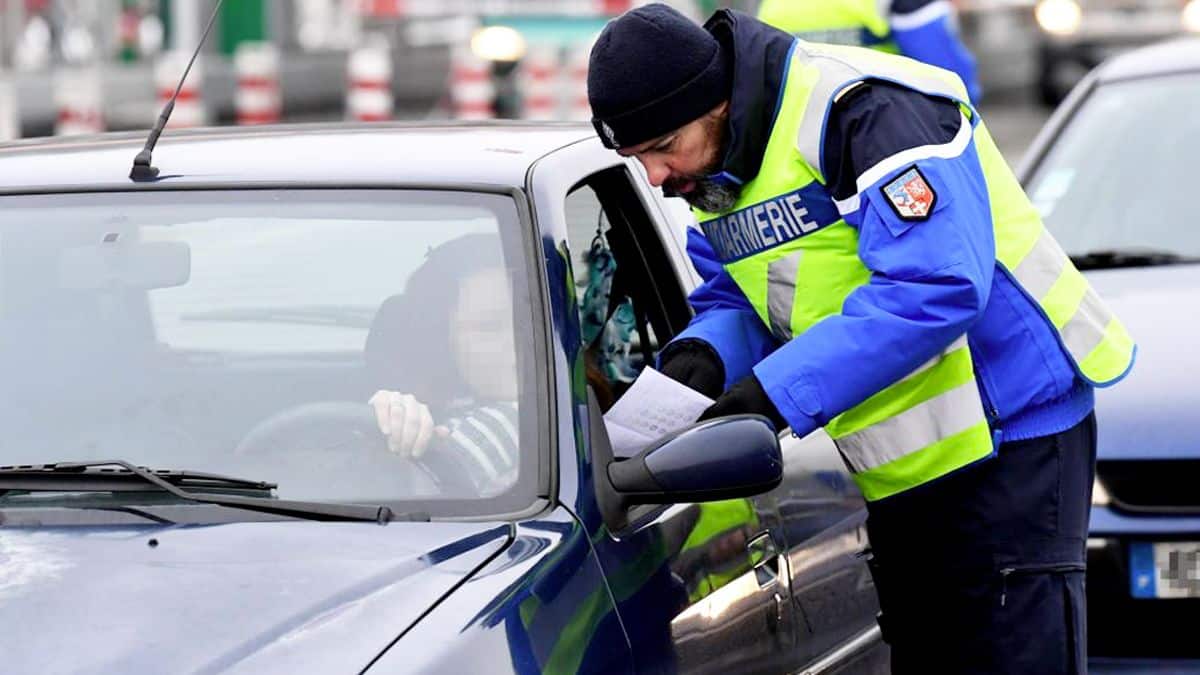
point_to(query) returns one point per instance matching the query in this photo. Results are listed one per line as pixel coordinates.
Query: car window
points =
(629, 299)
(586, 226)
(1112, 179)
(244, 333)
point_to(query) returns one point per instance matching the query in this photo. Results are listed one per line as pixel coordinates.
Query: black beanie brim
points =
(674, 109)
(652, 71)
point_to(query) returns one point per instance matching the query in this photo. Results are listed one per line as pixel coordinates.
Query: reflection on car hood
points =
(1149, 414)
(272, 597)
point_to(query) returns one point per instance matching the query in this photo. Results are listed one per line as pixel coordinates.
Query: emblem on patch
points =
(910, 195)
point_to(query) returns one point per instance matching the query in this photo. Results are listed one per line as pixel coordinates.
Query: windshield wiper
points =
(1129, 257)
(93, 477)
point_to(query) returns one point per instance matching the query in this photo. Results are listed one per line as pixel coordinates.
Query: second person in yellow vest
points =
(924, 30)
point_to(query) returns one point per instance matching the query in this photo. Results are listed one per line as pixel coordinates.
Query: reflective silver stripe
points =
(1037, 273)
(781, 293)
(1086, 328)
(848, 205)
(836, 73)
(914, 429)
(903, 159)
(1041, 267)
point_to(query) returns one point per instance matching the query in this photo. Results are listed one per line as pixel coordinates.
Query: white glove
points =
(405, 421)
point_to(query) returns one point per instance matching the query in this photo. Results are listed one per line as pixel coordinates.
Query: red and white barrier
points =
(189, 107)
(578, 108)
(78, 99)
(472, 92)
(257, 100)
(369, 90)
(541, 83)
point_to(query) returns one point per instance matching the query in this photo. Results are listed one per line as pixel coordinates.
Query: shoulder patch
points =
(910, 195)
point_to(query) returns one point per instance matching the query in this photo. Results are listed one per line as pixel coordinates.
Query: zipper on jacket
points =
(1026, 569)
(989, 409)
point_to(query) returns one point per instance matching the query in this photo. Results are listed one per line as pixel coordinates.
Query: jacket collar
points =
(759, 56)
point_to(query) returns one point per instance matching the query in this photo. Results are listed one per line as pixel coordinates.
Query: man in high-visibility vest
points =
(872, 266)
(924, 30)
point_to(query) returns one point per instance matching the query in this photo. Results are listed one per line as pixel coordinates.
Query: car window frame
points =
(521, 504)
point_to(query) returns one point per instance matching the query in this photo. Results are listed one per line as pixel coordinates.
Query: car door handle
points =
(764, 555)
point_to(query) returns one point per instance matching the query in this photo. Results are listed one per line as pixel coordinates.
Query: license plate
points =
(1165, 569)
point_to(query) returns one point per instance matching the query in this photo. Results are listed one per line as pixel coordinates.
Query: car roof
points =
(1166, 58)
(434, 154)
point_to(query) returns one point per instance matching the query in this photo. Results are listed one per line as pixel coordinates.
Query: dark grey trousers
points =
(983, 570)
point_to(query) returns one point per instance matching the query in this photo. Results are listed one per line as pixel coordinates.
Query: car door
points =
(823, 519)
(698, 587)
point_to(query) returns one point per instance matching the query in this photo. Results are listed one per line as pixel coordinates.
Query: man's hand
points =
(406, 422)
(695, 365)
(746, 396)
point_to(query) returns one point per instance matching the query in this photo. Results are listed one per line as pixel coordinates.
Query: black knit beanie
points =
(652, 71)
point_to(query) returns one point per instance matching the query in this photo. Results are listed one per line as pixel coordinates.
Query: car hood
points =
(1148, 414)
(248, 597)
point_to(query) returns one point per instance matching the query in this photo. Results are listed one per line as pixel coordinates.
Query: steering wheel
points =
(340, 449)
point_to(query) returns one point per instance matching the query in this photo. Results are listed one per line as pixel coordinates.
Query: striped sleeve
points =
(486, 439)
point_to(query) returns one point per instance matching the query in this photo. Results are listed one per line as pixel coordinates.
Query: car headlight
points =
(1059, 17)
(1191, 16)
(1099, 494)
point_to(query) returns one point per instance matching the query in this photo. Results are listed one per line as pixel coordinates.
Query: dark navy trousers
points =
(982, 571)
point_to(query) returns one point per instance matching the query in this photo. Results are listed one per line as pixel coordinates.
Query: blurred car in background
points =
(1077, 35)
(1111, 174)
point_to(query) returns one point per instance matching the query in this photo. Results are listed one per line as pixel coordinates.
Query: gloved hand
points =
(746, 396)
(406, 422)
(695, 365)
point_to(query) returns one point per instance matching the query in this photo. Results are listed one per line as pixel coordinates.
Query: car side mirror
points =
(724, 458)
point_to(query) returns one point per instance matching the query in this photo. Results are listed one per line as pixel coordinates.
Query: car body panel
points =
(1141, 416)
(541, 605)
(342, 155)
(266, 597)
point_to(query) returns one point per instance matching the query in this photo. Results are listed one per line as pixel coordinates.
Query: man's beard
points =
(712, 196)
(707, 194)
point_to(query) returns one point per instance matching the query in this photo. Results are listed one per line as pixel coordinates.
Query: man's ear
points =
(721, 109)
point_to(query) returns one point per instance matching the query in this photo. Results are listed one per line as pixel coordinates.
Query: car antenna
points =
(142, 171)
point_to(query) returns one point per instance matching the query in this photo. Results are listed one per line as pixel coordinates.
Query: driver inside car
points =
(457, 414)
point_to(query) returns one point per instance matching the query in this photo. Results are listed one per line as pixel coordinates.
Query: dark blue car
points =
(1114, 176)
(194, 480)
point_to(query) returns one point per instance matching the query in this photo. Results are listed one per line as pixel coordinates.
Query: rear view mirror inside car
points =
(123, 265)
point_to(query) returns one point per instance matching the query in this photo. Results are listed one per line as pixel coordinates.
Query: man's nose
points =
(656, 171)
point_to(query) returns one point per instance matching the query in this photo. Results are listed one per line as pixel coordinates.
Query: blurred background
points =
(81, 66)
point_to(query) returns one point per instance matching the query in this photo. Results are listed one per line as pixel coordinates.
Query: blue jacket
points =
(924, 30)
(931, 280)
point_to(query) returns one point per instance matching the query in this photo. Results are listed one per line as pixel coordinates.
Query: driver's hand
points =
(406, 422)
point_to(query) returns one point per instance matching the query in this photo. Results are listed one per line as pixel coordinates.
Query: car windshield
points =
(367, 346)
(1115, 180)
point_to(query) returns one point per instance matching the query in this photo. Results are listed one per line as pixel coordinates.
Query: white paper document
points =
(653, 407)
